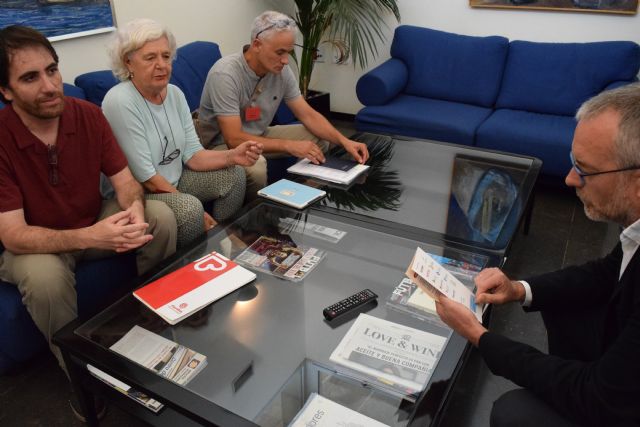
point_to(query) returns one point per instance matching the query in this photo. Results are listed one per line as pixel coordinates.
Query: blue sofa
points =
(518, 96)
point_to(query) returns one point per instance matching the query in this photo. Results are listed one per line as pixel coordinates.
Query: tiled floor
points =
(560, 235)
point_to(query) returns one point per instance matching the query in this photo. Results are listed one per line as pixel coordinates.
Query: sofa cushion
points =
(383, 83)
(424, 118)
(556, 78)
(190, 69)
(547, 137)
(449, 66)
(96, 84)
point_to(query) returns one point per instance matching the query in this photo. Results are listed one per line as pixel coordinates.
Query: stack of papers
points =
(340, 171)
(322, 412)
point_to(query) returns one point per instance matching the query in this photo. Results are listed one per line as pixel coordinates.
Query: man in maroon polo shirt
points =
(52, 151)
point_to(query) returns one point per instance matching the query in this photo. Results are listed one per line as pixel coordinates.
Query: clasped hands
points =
(121, 232)
(492, 287)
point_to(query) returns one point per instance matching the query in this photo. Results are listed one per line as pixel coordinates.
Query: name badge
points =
(252, 114)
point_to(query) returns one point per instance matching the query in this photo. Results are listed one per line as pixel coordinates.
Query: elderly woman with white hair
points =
(153, 125)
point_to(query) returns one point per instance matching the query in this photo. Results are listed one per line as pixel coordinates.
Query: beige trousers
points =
(47, 281)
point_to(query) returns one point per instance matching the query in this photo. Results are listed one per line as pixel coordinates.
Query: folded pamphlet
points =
(434, 280)
(166, 358)
(292, 193)
(185, 291)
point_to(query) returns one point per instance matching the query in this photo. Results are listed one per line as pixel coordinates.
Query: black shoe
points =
(99, 403)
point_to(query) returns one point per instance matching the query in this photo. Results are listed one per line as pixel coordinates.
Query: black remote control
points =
(348, 304)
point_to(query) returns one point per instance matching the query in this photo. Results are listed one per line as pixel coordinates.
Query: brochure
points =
(281, 257)
(398, 358)
(434, 279)
(292, 193)
(292, 225)
(183, 292)
(125, 389)
(410, 298)
(322, 412)
(341, 171)
(168, 359)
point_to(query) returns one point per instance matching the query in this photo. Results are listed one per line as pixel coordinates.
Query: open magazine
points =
(281, 257)
(394, 357)
(168, 359)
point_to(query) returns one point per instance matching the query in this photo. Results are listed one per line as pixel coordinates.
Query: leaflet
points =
(434, 279)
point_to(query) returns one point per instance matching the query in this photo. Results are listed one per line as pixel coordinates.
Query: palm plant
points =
(353, 25)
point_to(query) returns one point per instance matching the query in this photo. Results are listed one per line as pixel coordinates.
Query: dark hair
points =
(16, 37)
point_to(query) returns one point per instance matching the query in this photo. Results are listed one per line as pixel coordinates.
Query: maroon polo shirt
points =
(85, 147)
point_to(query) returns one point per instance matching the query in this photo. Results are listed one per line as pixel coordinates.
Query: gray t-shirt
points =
(231, 84)
(146, 132)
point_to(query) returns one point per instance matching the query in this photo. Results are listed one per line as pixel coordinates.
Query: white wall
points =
(227, 23)
(222, 21)
(456, 16)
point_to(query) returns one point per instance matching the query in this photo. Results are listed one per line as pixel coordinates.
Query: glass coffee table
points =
(462, 194)
(267, 343)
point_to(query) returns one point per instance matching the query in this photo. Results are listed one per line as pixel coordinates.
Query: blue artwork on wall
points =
(59, 19)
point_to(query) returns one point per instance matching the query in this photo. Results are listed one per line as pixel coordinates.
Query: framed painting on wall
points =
(59, 19)
(628, 7)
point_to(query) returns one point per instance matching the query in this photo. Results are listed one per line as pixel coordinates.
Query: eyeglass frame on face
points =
(582, 174)
(172, 156)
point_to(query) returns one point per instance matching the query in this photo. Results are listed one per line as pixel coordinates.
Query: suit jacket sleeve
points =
(599, 392)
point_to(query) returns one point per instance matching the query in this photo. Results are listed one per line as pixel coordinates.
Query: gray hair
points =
(625, 101)
(269, 22)
(131, 37)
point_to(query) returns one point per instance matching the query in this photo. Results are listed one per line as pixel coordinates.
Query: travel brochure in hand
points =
(168, 359)
(334, 169)
(434, 279)
(410, 298)
(280, 257)
(395, 357)
(181, 293)
(322, 412)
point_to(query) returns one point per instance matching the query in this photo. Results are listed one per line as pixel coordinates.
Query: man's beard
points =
(44, 112)
(615, 209)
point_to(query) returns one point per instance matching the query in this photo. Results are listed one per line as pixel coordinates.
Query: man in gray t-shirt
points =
(243, 92)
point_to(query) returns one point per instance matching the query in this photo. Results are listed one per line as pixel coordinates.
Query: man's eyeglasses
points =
(172, 156)
(52, 160)
(582, 174)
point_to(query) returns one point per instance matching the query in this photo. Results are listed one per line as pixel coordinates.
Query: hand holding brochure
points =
(340, 171)
(434, 279)
(391, 355)
(166, 358)
(292, 193)
(322, 412)
(183, 292)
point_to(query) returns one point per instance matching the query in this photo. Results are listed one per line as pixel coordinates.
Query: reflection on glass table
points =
(458, 193)
(267, 344)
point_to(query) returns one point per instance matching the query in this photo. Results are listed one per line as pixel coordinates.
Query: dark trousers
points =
(576, 335)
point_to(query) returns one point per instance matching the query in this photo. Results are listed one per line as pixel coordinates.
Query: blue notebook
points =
(291, 193)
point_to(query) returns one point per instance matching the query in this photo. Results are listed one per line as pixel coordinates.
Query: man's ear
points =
(6, 92)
